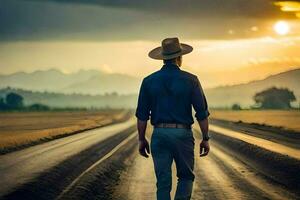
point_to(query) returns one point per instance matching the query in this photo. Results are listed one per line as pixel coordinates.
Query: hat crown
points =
(170, 46)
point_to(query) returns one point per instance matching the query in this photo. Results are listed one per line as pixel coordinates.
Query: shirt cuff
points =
(202, 115)
(141, 117)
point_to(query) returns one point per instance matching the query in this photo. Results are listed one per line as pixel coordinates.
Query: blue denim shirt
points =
(168, 95)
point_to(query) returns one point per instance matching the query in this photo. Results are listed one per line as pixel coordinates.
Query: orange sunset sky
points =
(234, 44)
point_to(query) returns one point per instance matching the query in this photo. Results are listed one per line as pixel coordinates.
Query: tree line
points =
(14, 101)
(271, 98)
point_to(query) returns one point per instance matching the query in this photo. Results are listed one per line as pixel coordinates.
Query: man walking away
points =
(168, 96)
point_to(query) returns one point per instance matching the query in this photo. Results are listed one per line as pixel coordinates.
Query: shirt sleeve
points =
(143, 106)
(199, 101)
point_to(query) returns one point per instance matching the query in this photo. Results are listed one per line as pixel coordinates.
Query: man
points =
(168, 96)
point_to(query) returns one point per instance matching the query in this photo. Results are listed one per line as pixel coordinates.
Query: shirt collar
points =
(170, 67)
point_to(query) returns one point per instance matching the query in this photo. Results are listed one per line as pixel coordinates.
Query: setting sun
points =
(281, 28)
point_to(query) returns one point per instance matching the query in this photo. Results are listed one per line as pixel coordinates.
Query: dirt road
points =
(104, 164)
(23, 166)
(218, 176)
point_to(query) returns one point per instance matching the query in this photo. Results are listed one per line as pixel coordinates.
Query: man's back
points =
(169, 95)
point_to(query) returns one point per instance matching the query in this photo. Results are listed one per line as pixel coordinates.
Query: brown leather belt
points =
(170, 125)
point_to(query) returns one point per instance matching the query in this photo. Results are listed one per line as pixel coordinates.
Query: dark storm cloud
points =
(196, 8)
(40, 20)
(126, 20)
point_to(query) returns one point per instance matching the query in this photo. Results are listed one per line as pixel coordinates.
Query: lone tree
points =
(275, 98)
(14, 101)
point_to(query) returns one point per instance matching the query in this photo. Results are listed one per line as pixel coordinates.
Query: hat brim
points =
(158, 55)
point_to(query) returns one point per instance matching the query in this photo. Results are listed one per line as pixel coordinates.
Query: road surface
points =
(218, 176)
(76, 164)
(23, 166)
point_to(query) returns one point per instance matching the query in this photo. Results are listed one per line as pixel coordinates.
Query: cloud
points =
(208, 8)
(132, 20)
(289, 6)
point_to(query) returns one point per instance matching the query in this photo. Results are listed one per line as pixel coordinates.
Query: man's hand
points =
(204, 148)
(144, 148)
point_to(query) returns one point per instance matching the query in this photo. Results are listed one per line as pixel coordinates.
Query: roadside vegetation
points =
(286, 119)
(22, 129)
(25, 125)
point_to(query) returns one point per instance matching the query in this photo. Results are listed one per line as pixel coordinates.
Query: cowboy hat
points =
(170, 48)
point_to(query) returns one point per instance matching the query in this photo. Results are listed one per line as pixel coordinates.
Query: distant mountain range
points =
(83, 82)
(91, 85)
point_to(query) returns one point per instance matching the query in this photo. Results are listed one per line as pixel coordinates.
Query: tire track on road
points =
(109, 154)
(212, 182)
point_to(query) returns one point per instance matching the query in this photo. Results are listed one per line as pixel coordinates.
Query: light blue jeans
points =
(168, 144)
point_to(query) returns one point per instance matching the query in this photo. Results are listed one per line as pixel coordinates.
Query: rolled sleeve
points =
(143, 106)
(199, 101)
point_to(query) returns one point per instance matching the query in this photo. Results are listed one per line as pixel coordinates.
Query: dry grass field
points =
(286, 119)
(17, 129)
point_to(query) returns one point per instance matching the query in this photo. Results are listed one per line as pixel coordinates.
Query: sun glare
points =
(281, 28)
